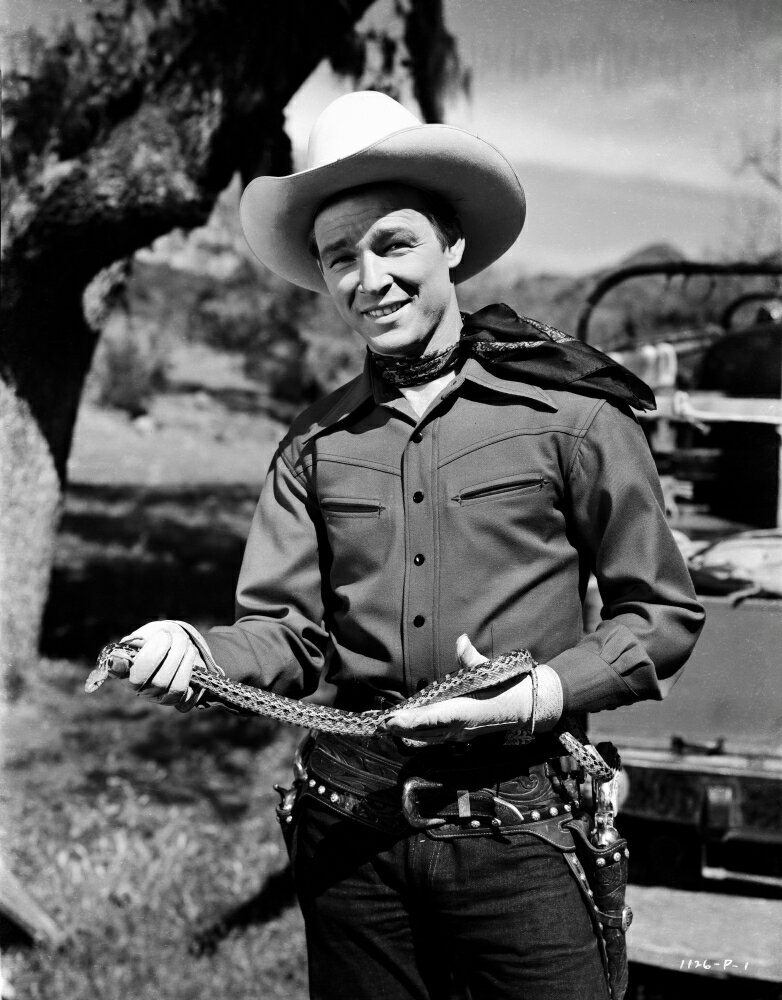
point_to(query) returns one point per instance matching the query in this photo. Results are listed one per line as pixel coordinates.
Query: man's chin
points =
(397, 344)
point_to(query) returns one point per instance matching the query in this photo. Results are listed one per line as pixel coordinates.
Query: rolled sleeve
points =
(278, 641)
(651, 618)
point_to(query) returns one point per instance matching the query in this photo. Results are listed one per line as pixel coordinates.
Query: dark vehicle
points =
(701, 802)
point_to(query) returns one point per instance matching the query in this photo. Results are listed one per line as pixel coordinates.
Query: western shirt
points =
(380, 537)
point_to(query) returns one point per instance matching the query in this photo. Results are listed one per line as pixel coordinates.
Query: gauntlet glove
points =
(508, 706)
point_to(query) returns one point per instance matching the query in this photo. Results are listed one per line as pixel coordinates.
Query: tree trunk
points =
(214, 106)
(29, 513)
(46, 354)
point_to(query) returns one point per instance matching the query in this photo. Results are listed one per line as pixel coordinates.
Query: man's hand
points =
(162, 667)
(504, 707)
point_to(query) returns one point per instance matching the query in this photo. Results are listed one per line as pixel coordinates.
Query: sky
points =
(625, 119)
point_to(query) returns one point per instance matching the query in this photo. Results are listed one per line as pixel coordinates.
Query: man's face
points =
(387, 271)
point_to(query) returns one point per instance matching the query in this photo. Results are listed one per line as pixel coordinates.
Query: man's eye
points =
(336, 262)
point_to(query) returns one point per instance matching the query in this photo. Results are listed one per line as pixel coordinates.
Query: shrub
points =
(129, 366)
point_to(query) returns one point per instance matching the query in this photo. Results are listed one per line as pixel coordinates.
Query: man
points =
(452, 499)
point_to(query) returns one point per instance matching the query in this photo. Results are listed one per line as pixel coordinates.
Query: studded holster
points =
(602, 874)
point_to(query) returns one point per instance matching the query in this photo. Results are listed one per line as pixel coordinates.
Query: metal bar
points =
(724, 874)
(692, 407)
(669, 269)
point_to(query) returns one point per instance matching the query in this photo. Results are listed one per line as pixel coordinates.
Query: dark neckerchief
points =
(510, 345)
(404, 372)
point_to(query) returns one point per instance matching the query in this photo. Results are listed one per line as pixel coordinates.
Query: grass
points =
(137, 828)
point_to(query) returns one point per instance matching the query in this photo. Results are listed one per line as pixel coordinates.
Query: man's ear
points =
(455, 252)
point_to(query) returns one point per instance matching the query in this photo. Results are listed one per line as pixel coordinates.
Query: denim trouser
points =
(417, 918)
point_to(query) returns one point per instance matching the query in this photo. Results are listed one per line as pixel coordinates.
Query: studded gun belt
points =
(464, 793)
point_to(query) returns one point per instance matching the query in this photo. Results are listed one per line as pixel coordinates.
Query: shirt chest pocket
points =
(335, 508)
(360, 535)
(514, 487)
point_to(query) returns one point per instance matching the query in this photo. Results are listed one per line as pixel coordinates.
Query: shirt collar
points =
(369, 385)
(382, 391)
(475, 372)
(347, 402)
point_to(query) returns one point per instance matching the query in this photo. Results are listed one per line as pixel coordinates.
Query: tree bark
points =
(215, 107)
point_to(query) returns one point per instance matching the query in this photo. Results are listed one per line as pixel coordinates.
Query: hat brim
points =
(472, 175)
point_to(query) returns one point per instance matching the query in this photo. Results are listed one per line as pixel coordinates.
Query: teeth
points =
(385, 310)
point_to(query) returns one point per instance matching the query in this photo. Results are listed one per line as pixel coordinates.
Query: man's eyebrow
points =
(393, 229)
(339, 244)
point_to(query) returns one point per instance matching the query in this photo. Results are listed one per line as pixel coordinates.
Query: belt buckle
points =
(410, 809)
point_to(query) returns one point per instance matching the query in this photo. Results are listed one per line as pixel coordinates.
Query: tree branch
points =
(202, 108)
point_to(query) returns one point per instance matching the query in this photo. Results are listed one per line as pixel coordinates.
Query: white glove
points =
(161, 669)
(499, 709)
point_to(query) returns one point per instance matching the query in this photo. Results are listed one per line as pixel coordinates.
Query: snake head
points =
(115, 660)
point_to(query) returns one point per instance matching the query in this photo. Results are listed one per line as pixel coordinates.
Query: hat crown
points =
(353, 122)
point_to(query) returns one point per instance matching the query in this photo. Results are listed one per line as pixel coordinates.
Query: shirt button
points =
(419, 620)
(418, 496)
(419, 559)
(417, 437)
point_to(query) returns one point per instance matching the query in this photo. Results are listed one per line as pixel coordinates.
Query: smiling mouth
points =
(382, 311)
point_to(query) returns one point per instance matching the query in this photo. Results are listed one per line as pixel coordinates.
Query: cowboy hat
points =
(365, 138)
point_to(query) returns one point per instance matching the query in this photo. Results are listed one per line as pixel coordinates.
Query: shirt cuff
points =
(589, 684)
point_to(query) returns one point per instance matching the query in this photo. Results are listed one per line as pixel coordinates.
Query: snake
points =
(214, 687)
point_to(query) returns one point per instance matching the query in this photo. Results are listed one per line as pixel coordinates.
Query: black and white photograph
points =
(391, 500)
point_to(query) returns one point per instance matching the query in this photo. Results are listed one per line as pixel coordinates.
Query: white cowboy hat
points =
(366, 138)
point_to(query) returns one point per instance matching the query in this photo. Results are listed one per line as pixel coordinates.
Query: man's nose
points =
(373, 275)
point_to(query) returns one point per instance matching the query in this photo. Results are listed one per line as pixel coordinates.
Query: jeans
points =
(418, 918)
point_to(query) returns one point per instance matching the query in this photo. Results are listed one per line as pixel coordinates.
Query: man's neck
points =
(448, 329)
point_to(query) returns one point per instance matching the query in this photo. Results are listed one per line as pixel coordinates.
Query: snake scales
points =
(116, 658)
